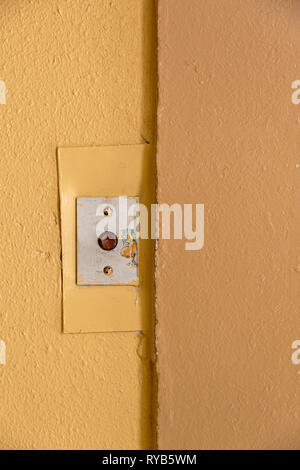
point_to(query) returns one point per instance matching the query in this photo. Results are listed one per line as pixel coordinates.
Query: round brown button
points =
(108, 241)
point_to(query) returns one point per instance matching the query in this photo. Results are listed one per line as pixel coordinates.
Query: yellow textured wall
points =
(77, 73)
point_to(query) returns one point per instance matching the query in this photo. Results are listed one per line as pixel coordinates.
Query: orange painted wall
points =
(228, 137)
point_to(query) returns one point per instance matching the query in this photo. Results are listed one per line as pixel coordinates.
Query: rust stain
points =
(130, 250)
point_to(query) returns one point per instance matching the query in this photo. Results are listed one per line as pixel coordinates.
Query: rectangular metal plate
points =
(121, 263)
(108, 171)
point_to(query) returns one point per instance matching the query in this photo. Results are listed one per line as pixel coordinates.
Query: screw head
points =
(108, 270)
(107, 211)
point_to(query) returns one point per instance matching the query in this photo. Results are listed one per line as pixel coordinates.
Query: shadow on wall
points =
(146, 348)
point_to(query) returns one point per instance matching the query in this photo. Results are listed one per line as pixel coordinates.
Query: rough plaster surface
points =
(77, 73)
(228, 137)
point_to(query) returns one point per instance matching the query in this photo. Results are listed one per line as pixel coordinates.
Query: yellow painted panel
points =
(104, 171)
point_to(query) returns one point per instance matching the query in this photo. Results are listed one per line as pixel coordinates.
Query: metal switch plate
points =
(96, 266)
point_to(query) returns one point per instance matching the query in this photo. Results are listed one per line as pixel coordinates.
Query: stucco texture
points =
(228, 137)
(77, 73)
